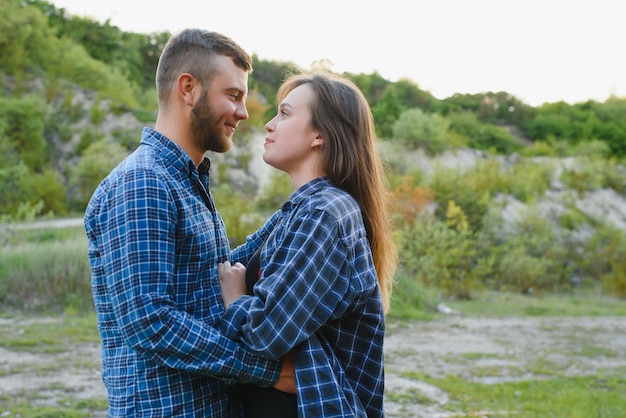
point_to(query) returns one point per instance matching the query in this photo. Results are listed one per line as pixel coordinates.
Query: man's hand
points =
(232, 281)
(287, 380)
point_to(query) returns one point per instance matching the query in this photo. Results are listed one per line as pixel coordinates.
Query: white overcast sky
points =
(538, 50)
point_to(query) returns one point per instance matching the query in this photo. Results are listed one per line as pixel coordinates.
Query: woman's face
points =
(291, 142)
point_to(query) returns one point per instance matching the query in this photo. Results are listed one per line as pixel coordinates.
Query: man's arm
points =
(139, 250)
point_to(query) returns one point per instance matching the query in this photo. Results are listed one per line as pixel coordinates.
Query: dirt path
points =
(495, 350)
(507, 347)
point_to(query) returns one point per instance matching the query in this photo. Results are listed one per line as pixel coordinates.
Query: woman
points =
(326, 270)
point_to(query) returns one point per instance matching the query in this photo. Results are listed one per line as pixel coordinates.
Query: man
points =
(155, 240)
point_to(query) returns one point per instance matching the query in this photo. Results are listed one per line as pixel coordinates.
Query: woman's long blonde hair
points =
(341, 113)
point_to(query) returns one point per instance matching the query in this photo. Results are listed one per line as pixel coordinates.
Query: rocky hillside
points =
(247, 170)
(601, 204)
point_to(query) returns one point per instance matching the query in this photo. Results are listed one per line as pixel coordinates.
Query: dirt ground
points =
(494, 350)
(507, 347)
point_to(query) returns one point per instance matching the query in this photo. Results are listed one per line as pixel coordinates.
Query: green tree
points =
(612, 124)
(373, 86)
(386, 112)
(24, 40)
(265, 79)
(15, 188)
(410, 95)
(97, 161)
(10, 157)
(24, 120)
(418, 129)
(469, 190)
(49, 189)
(483, 136)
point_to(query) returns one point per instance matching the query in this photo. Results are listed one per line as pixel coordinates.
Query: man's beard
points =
(208, 132)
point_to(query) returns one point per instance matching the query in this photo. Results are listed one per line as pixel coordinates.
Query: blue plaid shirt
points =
(318, 296)
(155, 239)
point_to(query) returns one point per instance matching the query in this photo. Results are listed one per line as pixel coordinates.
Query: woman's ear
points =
(318, 141)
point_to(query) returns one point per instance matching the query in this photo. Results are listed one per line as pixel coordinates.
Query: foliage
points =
(411, 200)
(440, 257)
(529, 255)
(466, 247)
(470, 191)
(275, 192)
(593, 174)
(526, 180)
(411, 299)
(54, 155)
(482, 135)
(602, 259)
(257, 111)
(23, 119)
(48, 188)
(240, 218)
(15, 188)
(538, 149)
(265, 79)
(135, 55)
(386, 112)
(46, 275)
(581, 122)
(418, 129)
(97, 161)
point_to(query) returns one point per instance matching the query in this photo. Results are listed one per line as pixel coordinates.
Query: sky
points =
(538, 50)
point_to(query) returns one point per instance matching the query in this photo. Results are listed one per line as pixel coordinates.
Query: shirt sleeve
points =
(305, 284)
(139, 256)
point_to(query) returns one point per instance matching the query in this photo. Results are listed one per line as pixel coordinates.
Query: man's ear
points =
(185, 88)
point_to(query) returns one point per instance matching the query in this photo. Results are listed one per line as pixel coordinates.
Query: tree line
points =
(75, 93)
(50, 56)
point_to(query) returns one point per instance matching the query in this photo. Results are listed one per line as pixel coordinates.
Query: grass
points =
(42, 335)
(68, 408)
(550, 393)
(571, 397)
(578, 303)
(60, 340)
(600, 395)
(45, 271)
(32, 254)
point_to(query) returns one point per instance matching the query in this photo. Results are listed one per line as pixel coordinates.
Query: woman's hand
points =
(232, 281)
(287, 379)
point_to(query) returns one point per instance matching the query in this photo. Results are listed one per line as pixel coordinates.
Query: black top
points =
(264, 402)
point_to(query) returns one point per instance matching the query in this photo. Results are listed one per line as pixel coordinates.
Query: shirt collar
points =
(309, 189)
(172, 153)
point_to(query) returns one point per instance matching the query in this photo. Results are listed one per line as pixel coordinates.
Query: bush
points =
(470, 191)
(23, 121)
(275, 192)
(528, 258)
(440, 257)
(418, 129)
(483, 136)
(98, 160)
(411, 299)
(603, 259)
(16, 188)
(239, 214)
